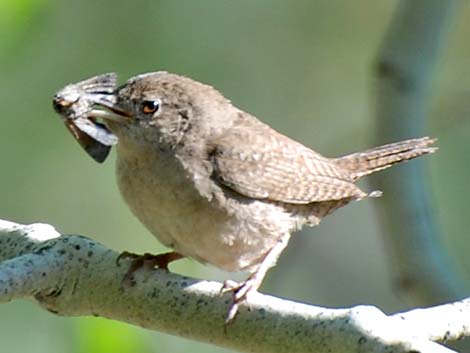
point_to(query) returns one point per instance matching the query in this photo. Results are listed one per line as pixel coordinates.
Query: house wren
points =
(214, 183)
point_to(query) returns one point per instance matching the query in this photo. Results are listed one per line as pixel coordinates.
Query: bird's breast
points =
(197, 222)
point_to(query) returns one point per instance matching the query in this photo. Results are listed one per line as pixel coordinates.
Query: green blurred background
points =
(304, 67)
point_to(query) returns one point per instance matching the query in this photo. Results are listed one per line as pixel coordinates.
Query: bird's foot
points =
(147, 262)
(240, 291)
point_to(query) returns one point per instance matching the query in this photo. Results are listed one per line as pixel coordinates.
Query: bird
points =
(213, 182)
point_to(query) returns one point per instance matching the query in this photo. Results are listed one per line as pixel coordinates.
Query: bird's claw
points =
(240, 291)
(229, 286)
(126, 255)
(147, 262)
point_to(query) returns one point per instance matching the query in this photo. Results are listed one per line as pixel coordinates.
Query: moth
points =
(75, 102)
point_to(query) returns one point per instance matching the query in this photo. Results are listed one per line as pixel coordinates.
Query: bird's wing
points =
(263, 164)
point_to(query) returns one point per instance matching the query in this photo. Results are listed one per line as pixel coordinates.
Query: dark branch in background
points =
(403, 72)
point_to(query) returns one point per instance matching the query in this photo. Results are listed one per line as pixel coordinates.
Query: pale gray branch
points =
(442, 323)
(72, 275)
(404, 72)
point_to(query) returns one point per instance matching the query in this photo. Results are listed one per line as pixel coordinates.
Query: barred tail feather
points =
(379, 158)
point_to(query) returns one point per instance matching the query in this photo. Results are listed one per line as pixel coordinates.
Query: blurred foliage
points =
(103, 336)
(304, 67)
(16, 19)
(15, 14)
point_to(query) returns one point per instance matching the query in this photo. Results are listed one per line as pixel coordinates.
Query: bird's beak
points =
(93, 136)
(113, 113)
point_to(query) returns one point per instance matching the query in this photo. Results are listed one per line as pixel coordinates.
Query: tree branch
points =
(403, 72)
(72, 275)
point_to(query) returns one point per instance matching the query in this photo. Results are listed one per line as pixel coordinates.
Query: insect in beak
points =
(95, 149)
(75, 104)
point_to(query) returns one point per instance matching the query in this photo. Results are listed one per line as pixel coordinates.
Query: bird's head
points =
(168, 109)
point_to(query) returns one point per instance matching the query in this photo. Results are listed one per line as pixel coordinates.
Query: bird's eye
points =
(150, 107)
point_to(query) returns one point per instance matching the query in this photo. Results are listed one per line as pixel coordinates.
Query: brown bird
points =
(216, 184)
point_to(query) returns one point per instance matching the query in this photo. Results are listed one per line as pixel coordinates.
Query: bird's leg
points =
(147, 262)
(242, 290)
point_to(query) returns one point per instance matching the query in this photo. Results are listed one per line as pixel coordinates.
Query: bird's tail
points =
(378, 158)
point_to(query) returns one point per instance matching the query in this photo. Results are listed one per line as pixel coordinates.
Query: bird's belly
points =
(174, 211)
